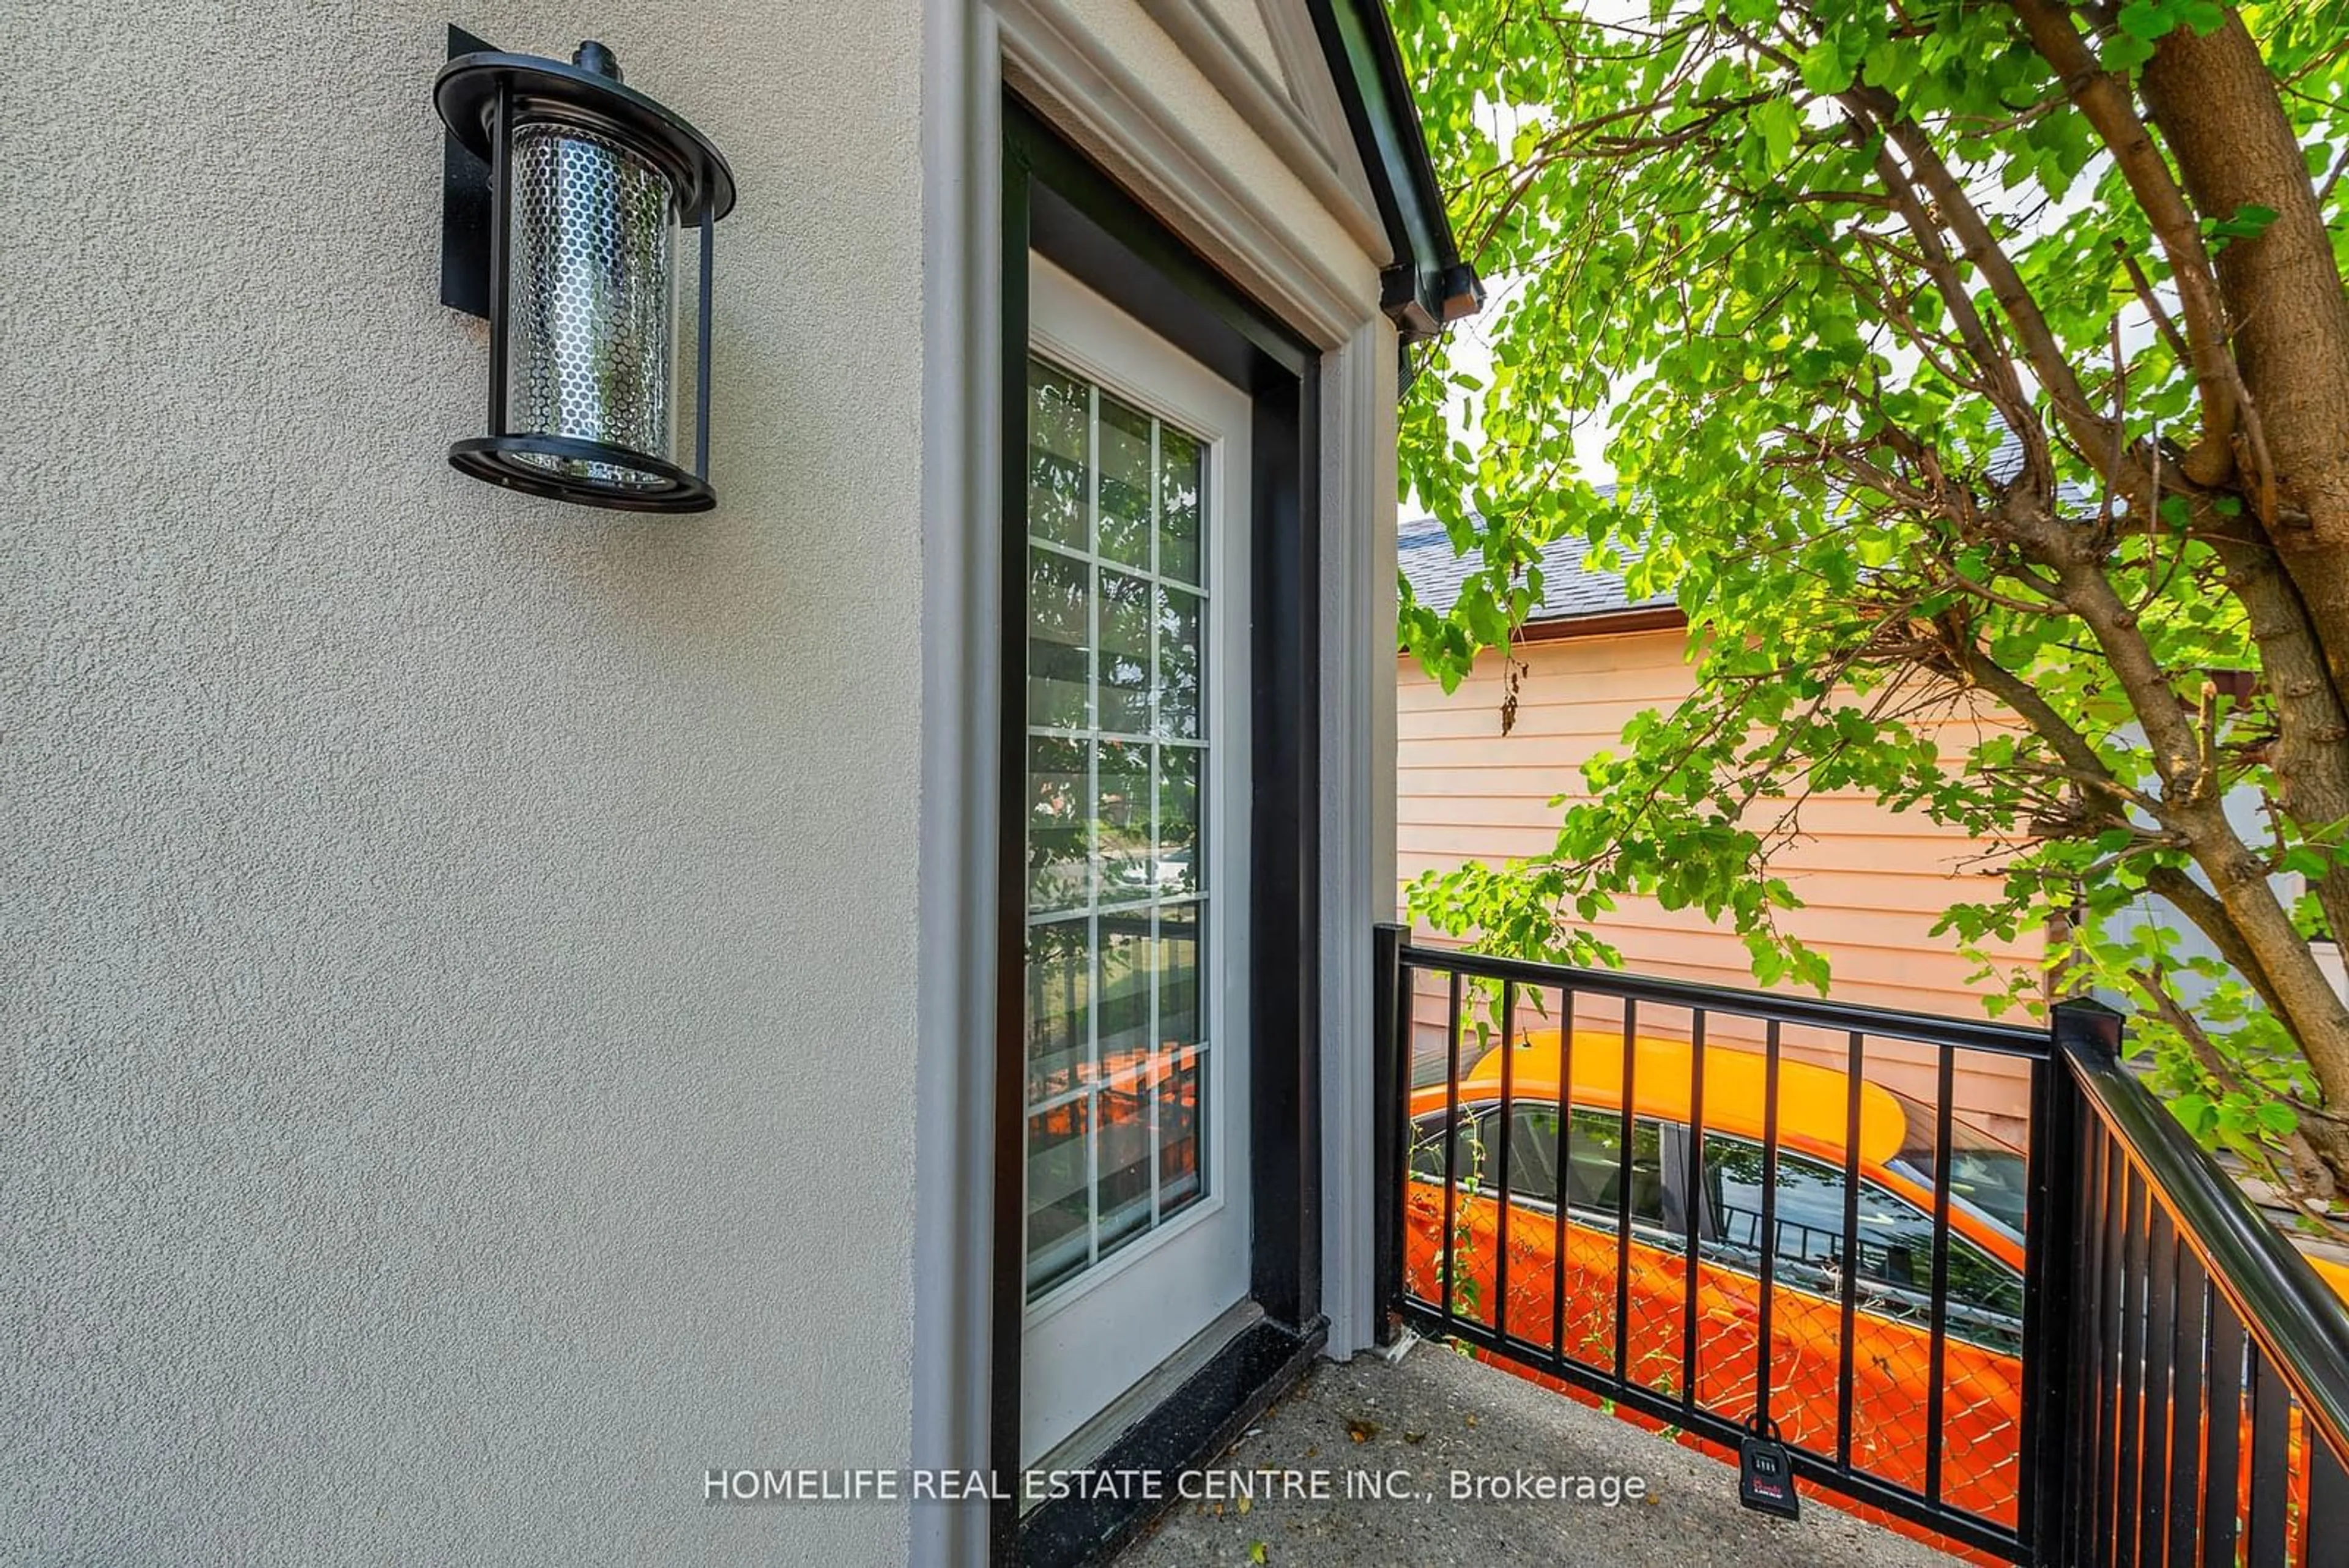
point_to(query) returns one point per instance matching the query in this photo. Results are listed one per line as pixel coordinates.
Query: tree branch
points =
(2104, 104)
(2086, 427)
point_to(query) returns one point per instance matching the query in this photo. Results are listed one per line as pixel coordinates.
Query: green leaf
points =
(1780, 122)
(1825, 71)
(2123, 52)
(2195, 1112)
(2305, 861)
(1891, 66)
(2248, 223)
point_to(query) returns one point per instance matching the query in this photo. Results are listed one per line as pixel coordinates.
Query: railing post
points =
(1390, 1037)
(2088, 1027)
(2050, 1269)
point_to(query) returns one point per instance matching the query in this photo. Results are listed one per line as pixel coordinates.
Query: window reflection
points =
(1060, 1021)
(1118, 1018)
(1181, 616)
(1179, 553)
(1058, 415)
(1124, 484)
(1894, 1255)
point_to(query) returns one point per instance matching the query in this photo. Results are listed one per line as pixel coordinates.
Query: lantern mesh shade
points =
(592, 305)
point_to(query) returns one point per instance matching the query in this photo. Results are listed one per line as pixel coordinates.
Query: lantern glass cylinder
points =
(591, 300)
(597, 388)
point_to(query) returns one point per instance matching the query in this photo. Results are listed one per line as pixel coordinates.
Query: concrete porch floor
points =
(1436, 1412)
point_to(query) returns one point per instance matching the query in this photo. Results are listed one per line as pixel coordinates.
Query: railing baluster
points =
(1449, 1253)
(1508, 1113)
(2107, 1442)
(1391, 1108)
(1565, 1161)
(2188, 1333)
(2160, 1348)
(2328, 1503)
(2055, 1243)
(2132, 1404)
(1847, 1282)
(1936, 1401)
(1623, 1197)
(2094, 1163)
(2270, 1413)
(1693, 1207)
(1768, 1239)
(2221, 1480)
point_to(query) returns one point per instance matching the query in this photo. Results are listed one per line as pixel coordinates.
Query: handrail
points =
(1967, 1034)
(2300, 1324)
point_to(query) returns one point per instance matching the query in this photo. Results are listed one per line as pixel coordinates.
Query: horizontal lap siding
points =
(1873, 881)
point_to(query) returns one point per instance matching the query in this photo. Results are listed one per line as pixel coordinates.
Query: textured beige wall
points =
(452, 946)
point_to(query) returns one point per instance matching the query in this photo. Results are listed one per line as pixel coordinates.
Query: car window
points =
(1594, 1158)
(1427, 1147)
(1895, 1261)
(1987, 1174)
(1533, 1154)
(1594, 1175)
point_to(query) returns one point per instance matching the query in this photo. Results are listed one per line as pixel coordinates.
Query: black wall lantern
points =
(583, 191)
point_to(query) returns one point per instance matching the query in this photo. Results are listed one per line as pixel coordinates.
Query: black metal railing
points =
(2206, 1398)
(1725, 1211)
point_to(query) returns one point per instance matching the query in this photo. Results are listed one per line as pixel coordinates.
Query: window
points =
(1118, 902)
(1594, 1159)
(1594, 1167)
(1895, 1263)
(1468, 1165)
(1988, 1176)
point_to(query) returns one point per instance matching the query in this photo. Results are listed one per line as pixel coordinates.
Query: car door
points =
(1592, 1180)
(1891, 1338)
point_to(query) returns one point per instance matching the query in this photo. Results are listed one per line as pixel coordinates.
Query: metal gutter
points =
(1427, 286)
(1603, 623)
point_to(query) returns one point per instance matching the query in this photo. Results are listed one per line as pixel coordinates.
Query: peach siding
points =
(1873, 882)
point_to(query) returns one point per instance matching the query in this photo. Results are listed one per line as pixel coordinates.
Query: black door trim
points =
(1064, 208)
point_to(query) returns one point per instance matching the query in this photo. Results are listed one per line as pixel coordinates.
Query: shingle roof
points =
(1570, 587)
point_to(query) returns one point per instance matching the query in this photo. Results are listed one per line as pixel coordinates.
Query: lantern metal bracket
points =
(464, 209)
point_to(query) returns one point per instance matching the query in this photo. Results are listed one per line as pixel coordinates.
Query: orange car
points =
(1893, 1266)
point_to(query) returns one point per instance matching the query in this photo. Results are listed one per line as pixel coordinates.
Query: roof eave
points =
(1604, 623)
(1427, 286)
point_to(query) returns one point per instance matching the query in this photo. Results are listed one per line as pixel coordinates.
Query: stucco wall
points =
(455, 946)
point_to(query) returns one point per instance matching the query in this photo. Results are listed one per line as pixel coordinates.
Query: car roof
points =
(1814, 1102)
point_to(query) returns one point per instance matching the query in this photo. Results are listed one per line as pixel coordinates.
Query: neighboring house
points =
(521, 1015)
(1873, 881)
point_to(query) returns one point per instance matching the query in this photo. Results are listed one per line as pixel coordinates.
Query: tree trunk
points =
(2216, 104)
